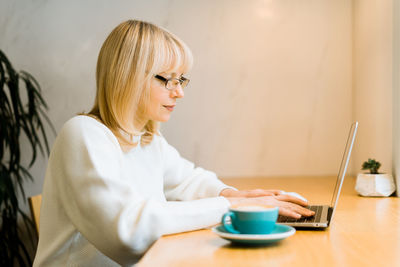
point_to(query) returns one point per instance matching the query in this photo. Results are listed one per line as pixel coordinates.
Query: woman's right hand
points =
(289, 206)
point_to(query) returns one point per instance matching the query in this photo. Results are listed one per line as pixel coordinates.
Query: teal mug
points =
(255, 219)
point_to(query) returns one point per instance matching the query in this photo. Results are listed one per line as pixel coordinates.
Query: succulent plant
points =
(372, 165)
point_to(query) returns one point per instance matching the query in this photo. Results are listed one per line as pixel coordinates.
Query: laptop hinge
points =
(330, 211)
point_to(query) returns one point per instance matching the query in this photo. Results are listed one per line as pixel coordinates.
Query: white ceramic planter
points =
(375, 185)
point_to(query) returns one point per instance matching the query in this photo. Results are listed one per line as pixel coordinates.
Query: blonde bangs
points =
(172, 56)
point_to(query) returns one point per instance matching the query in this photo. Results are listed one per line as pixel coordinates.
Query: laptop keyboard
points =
(315, 218)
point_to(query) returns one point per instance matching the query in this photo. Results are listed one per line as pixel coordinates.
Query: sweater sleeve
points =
(108, 212)
(184, 181)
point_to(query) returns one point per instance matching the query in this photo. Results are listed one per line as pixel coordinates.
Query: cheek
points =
(153, 108)
(156, 103)
(160, 98)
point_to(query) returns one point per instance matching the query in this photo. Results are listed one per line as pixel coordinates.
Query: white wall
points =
(396, 93)
(372, 81)
(271, 90)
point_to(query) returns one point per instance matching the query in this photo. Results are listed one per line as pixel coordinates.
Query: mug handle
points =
(229, 227)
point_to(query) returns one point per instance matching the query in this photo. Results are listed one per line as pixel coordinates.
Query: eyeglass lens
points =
(173, 83)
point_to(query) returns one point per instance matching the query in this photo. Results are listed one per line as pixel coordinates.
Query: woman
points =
(113, 184)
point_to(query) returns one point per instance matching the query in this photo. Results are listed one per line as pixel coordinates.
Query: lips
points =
(169, 107)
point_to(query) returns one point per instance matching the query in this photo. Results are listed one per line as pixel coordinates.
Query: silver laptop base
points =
(310, 222)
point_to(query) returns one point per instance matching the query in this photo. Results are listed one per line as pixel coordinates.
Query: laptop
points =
(324, 213)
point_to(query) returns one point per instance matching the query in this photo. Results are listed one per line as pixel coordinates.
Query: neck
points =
(140, 124)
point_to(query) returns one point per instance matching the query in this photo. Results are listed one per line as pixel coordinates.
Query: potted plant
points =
(21, 115)
(374, 183)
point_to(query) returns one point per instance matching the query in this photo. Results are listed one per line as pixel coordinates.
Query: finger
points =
(257, 193)
(275, 192)
(292, 199)
(289, 213)
(301, 210)
(262, 192)
(294, 207)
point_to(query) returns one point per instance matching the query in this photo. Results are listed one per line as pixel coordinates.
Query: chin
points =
(163, 118)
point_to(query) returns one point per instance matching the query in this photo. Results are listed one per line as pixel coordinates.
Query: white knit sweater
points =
(105, 207)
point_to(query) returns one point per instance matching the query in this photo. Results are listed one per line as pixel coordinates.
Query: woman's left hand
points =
(228, 192)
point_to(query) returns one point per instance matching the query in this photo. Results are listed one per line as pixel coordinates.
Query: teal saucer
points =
(280, 232)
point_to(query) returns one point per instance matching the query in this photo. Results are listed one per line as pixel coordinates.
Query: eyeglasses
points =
(172, 83)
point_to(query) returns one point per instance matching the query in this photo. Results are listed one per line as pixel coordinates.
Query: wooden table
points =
(364, 232)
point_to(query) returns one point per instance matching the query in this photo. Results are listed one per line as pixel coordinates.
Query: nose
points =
(177, 92)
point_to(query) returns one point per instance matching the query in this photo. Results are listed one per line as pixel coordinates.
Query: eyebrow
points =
(172, 74)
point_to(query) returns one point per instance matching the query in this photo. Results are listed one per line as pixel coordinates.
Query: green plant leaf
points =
(18, 117)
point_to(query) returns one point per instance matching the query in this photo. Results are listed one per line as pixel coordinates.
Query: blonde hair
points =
(131, 55)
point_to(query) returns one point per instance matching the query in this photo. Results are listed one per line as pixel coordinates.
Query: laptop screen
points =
(344, 164)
